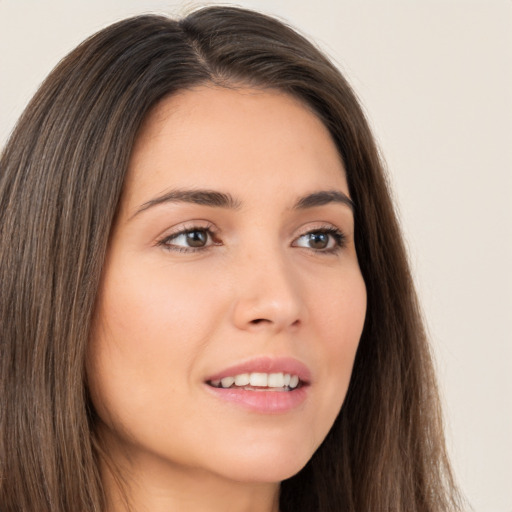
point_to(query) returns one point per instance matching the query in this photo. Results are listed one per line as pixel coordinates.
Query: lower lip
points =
(264, 402)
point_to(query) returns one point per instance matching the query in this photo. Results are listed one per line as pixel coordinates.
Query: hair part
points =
(61, 179)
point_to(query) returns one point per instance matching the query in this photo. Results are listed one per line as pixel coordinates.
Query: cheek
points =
(338, 311)
(340, 320)
(154, 311)
(151, 328)
(348, 320)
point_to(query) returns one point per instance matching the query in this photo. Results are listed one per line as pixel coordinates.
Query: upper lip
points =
(266, 364)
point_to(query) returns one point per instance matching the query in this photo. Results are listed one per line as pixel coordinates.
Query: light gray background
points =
(435, 78)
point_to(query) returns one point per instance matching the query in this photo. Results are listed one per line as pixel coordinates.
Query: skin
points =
(168, 317)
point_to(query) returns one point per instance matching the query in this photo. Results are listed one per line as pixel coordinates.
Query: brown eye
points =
(189, 240)
(318, 240)
(196, 238)
(322, 240)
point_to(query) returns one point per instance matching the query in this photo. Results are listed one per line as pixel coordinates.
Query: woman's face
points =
(232, 259)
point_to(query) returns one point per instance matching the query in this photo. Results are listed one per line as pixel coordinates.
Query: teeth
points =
(259, 380)
(242, 379)
(227, 382)
(276, 380)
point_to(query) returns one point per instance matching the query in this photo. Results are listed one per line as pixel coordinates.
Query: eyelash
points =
(336, 234)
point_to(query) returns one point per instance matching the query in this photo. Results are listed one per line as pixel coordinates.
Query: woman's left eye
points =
(189, 240)
(322, 240)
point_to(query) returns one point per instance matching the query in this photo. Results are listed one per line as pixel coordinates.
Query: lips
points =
(264, 385)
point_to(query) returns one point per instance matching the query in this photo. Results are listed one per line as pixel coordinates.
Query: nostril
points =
(260, 321)
(257, 321)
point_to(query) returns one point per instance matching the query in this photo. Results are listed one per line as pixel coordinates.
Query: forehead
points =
(213, 137)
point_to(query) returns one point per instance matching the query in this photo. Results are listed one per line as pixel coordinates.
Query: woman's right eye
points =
(189, 240)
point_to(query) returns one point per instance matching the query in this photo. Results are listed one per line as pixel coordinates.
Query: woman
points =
(205, 301)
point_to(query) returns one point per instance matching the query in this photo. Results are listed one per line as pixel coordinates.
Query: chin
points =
(268, 465)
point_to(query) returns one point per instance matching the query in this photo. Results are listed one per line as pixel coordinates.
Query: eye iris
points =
(318, 240)
(197, 238)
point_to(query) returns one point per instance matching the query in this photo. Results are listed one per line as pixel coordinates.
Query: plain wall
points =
(435, 78)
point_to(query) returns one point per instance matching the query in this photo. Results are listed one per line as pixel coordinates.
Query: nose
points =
(267, 295)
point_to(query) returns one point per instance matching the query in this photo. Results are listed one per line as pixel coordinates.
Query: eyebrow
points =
(217, 199)
(322, 198)
(203, 197)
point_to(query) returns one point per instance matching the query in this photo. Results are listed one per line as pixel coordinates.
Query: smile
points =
(258, 381)
(264, 385)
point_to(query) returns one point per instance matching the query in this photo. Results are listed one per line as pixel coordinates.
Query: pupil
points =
(318, 240)
(196, 238)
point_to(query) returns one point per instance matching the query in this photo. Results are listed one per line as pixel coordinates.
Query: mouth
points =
(263, 385)
(258, 381)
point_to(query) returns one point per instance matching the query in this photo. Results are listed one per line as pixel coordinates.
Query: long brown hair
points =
(61, 177)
